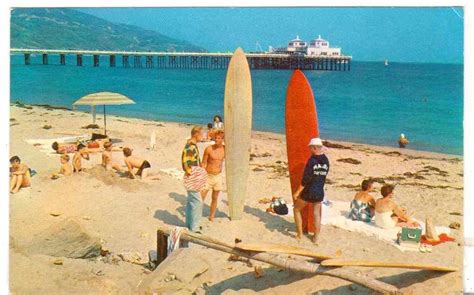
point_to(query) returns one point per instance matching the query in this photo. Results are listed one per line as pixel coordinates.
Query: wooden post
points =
(161, 246)
(349, 65)
(45, 59)
(79, 60)
(27, 59)
(137, 61)
(96, 60)
(62, 59)
(125, 62)
(112, 61)
(94, 113)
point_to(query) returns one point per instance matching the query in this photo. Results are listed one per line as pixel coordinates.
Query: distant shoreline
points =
(333, 143)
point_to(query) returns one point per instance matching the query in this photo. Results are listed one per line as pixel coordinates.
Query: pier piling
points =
(125, 62)
(27, 59)
(197, 60)
(112, 61)
(96, 60)
(79, 60)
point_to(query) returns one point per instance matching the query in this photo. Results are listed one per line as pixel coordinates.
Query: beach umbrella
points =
(103, 99)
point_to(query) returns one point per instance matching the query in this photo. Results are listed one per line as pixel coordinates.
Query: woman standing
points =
(311, 189)
(217, 122)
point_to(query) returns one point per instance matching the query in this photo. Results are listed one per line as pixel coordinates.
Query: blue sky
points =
(368, 34)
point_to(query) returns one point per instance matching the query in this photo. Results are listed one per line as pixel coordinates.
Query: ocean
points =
(371, 104)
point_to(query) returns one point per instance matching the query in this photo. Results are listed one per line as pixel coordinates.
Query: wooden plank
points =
(291, 264)
(276, 248)
(369, 263)
(161, 246)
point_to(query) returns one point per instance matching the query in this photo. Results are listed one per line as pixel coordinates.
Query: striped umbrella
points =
(103, 98)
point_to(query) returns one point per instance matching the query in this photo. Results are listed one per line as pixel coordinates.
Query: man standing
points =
(311, 189)
(190, 161)
(212, 161)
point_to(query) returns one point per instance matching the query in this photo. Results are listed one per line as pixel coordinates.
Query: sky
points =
(428, 35)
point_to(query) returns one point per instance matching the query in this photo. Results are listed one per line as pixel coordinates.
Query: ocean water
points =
(371, 104)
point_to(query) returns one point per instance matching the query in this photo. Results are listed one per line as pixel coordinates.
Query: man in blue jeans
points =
(189, 159)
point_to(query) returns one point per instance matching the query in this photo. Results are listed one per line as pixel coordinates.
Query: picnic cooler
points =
(409, 237)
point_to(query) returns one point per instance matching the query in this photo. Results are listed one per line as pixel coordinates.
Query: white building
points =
(320, 47)
(297, 45)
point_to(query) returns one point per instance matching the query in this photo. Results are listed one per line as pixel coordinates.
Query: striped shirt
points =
(190, 157)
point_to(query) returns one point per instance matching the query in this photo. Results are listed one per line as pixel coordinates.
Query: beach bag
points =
(279, 206)
(196, 180)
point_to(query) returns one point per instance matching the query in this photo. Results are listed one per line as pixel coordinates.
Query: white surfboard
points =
(238, 126)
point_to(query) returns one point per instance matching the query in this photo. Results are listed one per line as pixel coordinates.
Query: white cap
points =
(402, 135)
(316, 141)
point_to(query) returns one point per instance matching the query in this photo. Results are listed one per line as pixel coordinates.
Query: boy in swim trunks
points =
(142, 166)
(19, 175)
(65, 169)
(81, 153)
(212, 161)
(311, 189)
(107, 160)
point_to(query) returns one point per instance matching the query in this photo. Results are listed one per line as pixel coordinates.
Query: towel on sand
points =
(336, 213)
(44, 144)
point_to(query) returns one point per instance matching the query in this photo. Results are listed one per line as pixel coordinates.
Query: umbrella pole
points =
(105, 122)
(93, 114)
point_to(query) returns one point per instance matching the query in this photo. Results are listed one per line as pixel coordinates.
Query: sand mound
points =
(65, 239)
(111, 178)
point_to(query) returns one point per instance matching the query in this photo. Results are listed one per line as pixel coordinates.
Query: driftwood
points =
(285, 262)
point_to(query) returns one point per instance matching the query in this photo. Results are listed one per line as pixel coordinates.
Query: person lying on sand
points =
(19, 175)
(81, 153)
(107, 160)
(311, 189)
(65, 169)
(142, 165)
(67, 148)
(363, 204)
(212, 161)
(388, 214)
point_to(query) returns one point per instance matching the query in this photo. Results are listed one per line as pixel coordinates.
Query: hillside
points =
(59, 28)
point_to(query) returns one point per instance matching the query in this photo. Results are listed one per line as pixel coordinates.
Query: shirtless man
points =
(142, 165)
(212, 161)
(107, 160)
(19, 175)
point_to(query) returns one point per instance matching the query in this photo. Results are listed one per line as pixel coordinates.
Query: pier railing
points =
(190, 60)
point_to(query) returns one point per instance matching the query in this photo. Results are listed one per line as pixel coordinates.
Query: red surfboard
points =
(301, 121)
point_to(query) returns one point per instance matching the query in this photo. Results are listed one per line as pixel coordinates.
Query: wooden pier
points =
(191, 60)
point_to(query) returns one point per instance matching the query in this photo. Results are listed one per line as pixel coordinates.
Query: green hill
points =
(57, 28)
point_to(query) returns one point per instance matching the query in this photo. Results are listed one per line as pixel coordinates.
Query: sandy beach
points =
(124, 214)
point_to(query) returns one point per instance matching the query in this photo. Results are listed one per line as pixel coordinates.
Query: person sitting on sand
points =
(81, 153)
(107, 162)
(217, 122)
(20, 175)
(402, 141)
(212, 161)
(142, 166)
(363, 204)
(65, 169)
(388, 214)
(311, 189)
(68, 148)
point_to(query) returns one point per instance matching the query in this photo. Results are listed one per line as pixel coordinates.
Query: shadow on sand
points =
(272, 222)
(273, 278)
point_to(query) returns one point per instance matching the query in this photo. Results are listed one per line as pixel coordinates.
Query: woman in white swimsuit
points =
(388, 214)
